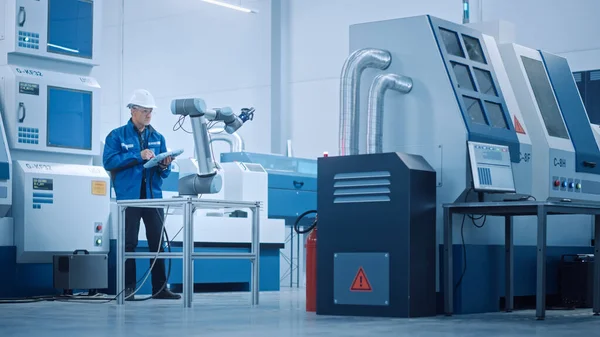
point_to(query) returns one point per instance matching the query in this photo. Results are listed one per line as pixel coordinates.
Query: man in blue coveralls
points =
(126, 150)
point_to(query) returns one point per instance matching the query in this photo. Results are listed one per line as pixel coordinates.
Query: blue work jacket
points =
(123, 160)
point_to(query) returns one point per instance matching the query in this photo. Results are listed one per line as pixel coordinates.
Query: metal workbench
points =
(508, 210)
(188, 206)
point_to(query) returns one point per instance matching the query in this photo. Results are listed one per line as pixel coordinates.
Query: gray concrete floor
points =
(279, 314)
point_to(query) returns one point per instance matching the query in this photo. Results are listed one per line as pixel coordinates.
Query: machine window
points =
(474, 110)
(452, 43)
(474, 49)
(544, 97)
(496, 115)
(463, 76)
(69, 118)
(70, 27)
(486, 84)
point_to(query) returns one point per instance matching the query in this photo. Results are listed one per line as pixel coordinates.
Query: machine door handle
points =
(298, 184)
(589, 164)
(81, 251)
(22, 16)
(22, 107)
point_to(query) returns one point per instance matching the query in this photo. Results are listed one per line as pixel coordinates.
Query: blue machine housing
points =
(587, 153)
(292, 182)
(477, 88)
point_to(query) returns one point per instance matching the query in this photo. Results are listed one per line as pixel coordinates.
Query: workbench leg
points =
(298, 259)
(292, 257)
(121, 255)
(255, 286)
(509, 263)
(541, 263)
(448, 283)
(188, 263)
(596, 288)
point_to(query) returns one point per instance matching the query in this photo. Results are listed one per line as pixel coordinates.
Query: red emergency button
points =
(557, 183)
(99, 227)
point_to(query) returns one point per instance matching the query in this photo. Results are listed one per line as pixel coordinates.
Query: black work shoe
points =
(166, 294)
(129, 296)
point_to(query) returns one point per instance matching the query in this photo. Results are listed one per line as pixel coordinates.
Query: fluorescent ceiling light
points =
(228, 5)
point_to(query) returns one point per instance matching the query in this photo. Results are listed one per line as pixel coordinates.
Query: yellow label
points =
(98, 187)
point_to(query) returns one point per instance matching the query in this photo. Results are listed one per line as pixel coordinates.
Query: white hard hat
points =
(143, 98)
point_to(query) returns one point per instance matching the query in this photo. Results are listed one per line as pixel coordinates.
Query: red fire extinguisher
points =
(311, 261)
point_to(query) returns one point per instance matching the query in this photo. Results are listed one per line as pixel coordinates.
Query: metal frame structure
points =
(189, 206)
(508, 210)
(294, 266)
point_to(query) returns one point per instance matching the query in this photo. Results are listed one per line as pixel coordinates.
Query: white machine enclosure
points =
(248, 182)
(45, 28)
(6, 179)
(545, 148)
(59, 208)
(241, 181)
(523, 170)
(554, 155)
(428, 121)
(50, 111)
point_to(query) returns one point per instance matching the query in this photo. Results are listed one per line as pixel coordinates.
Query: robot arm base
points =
(193, 185)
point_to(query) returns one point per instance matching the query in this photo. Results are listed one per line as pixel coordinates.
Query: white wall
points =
(188, 48)
(108, 73)
(319, 46)
(568, 28)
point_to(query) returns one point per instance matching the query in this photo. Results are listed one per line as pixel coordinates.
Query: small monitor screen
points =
(70, 27)
(69, 118)
(491, 167)
(544, 96)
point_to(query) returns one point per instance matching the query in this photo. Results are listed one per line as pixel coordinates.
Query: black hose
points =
(310, 228)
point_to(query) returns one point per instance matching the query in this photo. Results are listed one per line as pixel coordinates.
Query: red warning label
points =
(361, 283)
(518, 126)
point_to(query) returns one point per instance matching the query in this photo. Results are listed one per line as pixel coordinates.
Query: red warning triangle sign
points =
(361, 283)
(518, 126)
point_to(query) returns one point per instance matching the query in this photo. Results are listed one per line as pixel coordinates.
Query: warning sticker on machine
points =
(98, 187)
(361, 283)
(518, 126)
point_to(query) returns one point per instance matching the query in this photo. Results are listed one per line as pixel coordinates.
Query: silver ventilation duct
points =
(355, 64)
(380, 85)
(235, 141)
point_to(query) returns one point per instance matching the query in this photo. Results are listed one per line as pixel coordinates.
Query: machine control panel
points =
(44, 28)
(491, 167)
(38, 106)
(566, 184)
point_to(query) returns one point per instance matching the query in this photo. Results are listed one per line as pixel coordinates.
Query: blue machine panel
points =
(475, 85)
(69, 118)
(70, 27)
(574, 114)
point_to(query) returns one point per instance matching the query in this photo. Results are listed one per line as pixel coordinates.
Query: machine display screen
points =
(69, 118)
(544, 97)
(491, 167)
(29, 88)
(70, 27)
(43, 184)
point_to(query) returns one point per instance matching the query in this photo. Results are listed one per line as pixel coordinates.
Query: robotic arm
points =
(207, 180)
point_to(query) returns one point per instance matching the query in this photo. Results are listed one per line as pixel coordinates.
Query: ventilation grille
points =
(594, 75)
(485, 176)
(577, 77)
(361, 187)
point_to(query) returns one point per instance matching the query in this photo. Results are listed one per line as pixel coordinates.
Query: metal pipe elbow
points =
(381, 84)
(352, 70)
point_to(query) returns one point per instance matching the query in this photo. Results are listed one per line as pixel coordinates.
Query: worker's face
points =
(141, 115)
